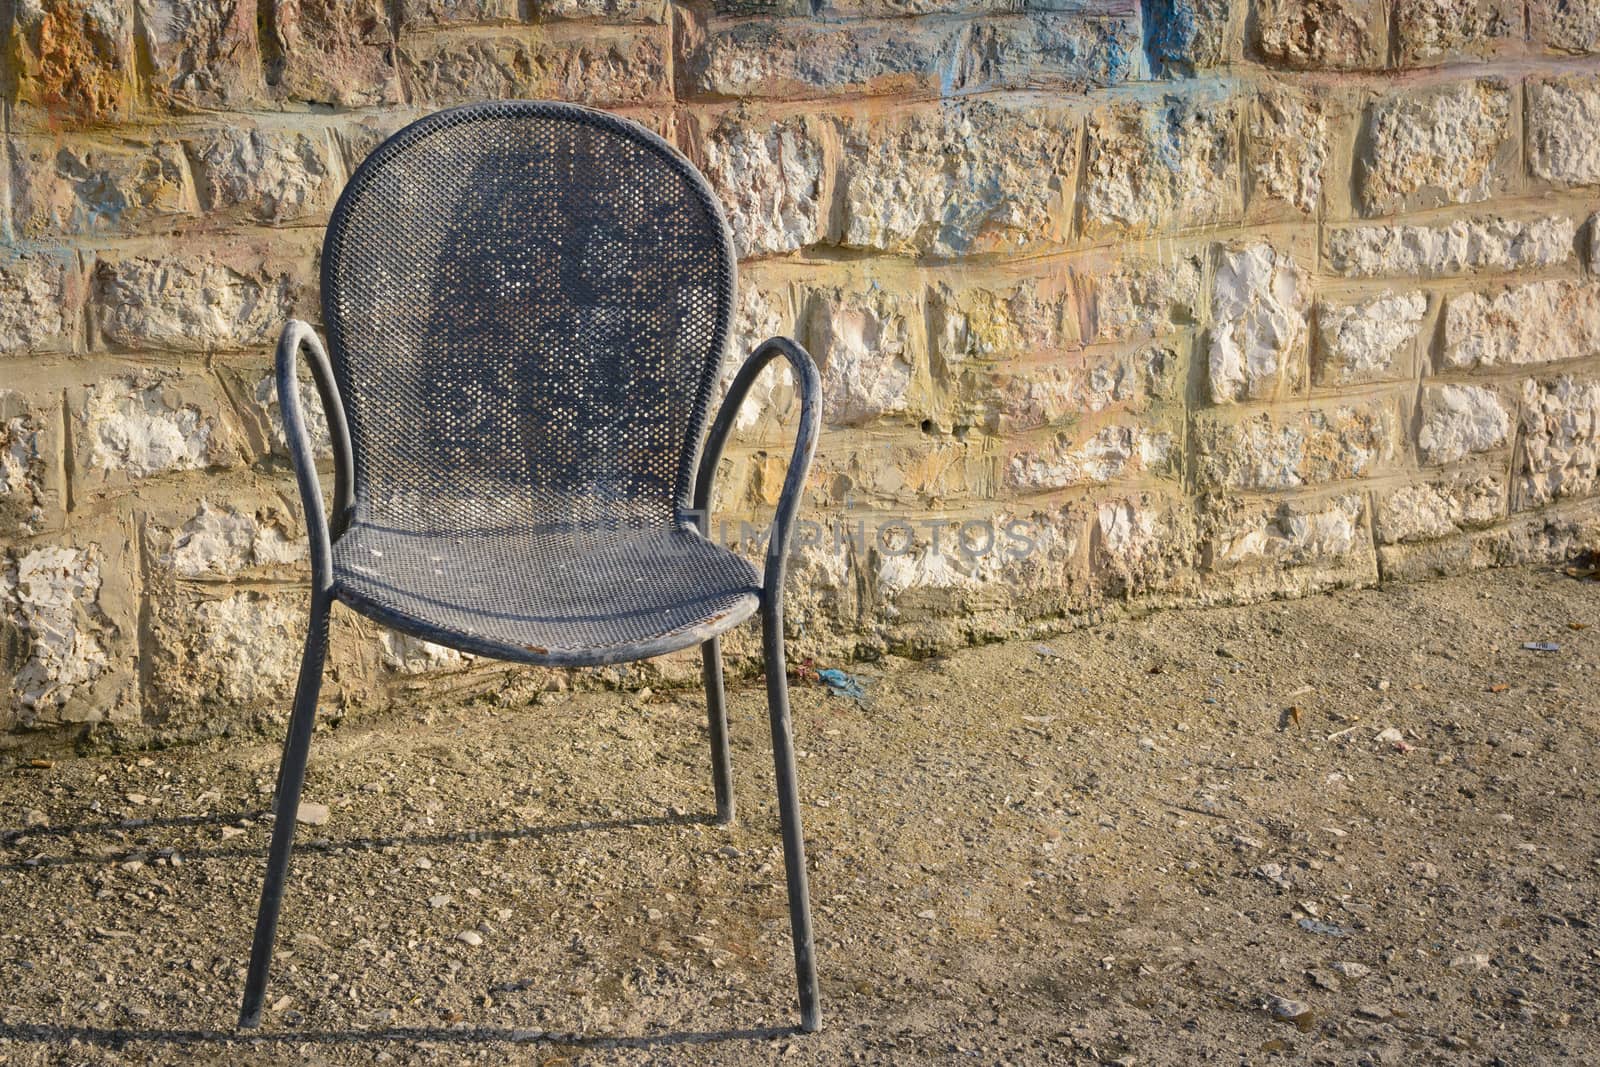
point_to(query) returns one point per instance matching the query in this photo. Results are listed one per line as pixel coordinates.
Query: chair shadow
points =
(303, 846)
(117, 1037)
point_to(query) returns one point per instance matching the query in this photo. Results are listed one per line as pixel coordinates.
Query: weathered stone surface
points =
(1109, 453)
(971, 179)
(760, 314)
(80, 188)
(264, 410)
(1257, 342)
(1322, 34)
(203, 53)
(405, 654)
(1153, 167)
(1560, 441)
(801, 57)
(30, 498)
(1370, 339)
(769, 175)
(609, 10)
(1458, 420)
(1534, 323)
(74, 58)
(338, 52)
(1027, 317)
(1592, 229)
(419, 13)
(149, 423)
(1282, 450)
(1436, 146)
(1441, 507)
(1563, 115)
(1289, 533)
(1020, 397)
(270, 176)
(602, 68)
(1184, 37)
(1565, 25)
(39, 298)
(221, 542)
(1142, 543)
(864, 343)
(1548, 537)
(1430, 31)
(192, 301)
(1139, 298)
(66, 645)
(1479, 243)
(1286, 152)
(217, 656)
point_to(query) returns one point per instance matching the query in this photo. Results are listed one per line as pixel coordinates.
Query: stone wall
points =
(1203, 300)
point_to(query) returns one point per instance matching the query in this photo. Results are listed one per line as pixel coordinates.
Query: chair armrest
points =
(805, 445)
(297, 334)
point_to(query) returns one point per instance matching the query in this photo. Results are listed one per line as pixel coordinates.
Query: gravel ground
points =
(1359, 828)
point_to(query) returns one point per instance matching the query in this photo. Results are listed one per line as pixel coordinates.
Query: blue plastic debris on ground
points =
(841, 684)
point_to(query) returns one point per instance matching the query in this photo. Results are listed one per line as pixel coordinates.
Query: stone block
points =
(1184, 37)
(69, 188)
(1292, 448)
(1137, 297)
(601, 67)
(148, 423)
(1011, 318)
(1434, 31)
(265, 175)
(970, 179)
(30, 464)
(1559, 453)
(798, 58)
(216, 658)
(1155, 166)
(1256, 346)
(1440, 507)
(418, 14)
(1534, 323)
(769, 175)
(1368, 339)
(1143, 543)
(229, 298)
(1286, 152)
(1563, 115)
(1322, 34)
(40, 297)
(1571, 26)
(335, 52)
(74, 59)
(1020, 396)
(1458, 420)
(67, 626)
(1446, 145)
(605, 10)
(1286, 533)
(247, 536)
(1094, 456)
(204, 54)
(1484, 242)
(867, 342)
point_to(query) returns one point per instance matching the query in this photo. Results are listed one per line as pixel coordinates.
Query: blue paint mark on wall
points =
(1174, 35)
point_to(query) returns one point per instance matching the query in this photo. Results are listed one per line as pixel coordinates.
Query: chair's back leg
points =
(291, 776)
(717, 719)
(794, 849)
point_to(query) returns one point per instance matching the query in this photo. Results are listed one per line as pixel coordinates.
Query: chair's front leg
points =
(794, 849)
(717, 721)
(291, 777)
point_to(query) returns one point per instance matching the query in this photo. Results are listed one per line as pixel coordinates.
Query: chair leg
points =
(291, 776)
(794, 849)
(717, 716)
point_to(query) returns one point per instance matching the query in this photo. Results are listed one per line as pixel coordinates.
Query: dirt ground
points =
(1356, 829)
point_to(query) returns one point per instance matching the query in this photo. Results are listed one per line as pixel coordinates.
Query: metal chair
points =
(527, 306)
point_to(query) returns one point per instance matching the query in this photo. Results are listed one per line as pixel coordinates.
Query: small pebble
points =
(470, 937)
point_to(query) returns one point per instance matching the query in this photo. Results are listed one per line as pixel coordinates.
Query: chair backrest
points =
(527, 306)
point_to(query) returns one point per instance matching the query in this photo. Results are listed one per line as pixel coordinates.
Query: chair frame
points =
(324, 528)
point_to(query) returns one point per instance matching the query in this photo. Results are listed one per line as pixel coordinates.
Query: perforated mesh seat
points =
(567, 594)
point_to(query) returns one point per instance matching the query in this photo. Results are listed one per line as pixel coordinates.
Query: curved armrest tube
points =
(809, 384)
(295, 335)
